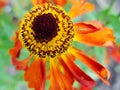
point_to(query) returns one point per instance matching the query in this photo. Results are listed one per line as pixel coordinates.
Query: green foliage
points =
(10, 79)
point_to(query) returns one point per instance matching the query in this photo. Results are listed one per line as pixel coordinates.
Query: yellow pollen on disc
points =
(46, 31)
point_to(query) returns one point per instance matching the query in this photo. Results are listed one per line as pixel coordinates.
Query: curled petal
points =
(94, 35)
(97, 24)
(21, 64)
(77, 73)
(88, 27)
(100, 70)
(35, 74)
(83, 8)
(38, 2)
(84, 28)
(14, 52)
(58, 81)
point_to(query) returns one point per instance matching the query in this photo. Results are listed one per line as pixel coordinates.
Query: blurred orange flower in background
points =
(62, 71)
(113, 53)
(3, 3)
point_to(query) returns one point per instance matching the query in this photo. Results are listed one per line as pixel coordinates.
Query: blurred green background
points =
(107, 11)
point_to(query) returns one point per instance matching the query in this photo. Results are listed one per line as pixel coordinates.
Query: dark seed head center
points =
(45, 27)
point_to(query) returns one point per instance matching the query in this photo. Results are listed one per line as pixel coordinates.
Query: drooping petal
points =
(80, 7)
(58, 81)
(3, 3)
(60, 2)
(77, 73)
(53, 80)
(94, 35)
(14, 52)
(67, 72)
(35, 74)
(100, 70)
(38, 2)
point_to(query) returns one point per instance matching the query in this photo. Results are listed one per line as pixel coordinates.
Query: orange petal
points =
(100, 70)
(60, 2)
(97, 24)
(35, 74)
(94, 35)
(14, 52)
(88, 27)
(53, 80)
(80, 7)
(67, 72)
(3, 3)
(77, 73)
(38, 2)
(84, 28)
(21, 64)
(58, 81)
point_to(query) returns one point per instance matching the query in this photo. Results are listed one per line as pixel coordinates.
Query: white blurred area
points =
(102, 4)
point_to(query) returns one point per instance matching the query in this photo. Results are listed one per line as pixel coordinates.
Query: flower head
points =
(47, 32)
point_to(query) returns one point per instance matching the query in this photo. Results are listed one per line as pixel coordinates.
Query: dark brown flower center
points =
(45, 27)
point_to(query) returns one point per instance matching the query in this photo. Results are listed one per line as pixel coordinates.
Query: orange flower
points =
(47, 32)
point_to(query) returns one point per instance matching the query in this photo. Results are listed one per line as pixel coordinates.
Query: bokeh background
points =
(106, 11)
